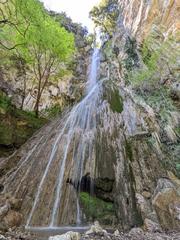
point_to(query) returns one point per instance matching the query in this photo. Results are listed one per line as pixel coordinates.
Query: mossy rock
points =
(116, 102)
(6, 133)
(97, 209)
(112, 95)
(16, 125)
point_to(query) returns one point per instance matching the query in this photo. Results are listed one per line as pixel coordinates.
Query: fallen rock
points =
(116, 233)
(166, 202)
(96, 228)
(151, 226)
(146, 194)
(143, 205)
(136, 231)
(67, 236)
(13, 218)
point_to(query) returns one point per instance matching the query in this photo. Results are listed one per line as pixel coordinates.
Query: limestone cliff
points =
(122, 139)
(146, 83)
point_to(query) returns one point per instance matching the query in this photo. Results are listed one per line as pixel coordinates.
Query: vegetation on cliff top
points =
(105, 15)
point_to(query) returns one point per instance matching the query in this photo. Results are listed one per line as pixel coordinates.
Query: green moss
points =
(16, 125)
(115, 101)
(95, 208)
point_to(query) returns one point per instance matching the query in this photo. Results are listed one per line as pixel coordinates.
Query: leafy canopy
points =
(105, 15)
(30, 26)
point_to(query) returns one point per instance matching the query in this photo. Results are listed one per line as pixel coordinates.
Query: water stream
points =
(81, 124)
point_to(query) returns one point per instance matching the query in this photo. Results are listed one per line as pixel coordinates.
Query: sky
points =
(78, 10)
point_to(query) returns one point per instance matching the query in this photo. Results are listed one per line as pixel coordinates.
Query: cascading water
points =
(73, 145)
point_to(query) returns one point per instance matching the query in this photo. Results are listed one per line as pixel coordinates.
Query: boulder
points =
(166, 202)
(151, 226)
(67, 236)
(13, 219)
(116, 233)
(96, 228)
(143, 205)
(146, 194)
(136, 231)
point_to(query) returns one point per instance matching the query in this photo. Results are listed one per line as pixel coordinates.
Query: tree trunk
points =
(36, 108)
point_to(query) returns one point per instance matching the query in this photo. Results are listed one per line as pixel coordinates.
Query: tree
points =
(13, 18)
(37, 39)
(105, 15)
(46, 46)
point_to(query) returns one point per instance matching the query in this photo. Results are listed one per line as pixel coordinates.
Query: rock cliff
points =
(122, 139)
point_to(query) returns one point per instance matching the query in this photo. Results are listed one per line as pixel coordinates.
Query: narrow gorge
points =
(112, 155)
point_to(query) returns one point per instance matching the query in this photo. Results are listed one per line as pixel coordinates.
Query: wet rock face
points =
(115, 161)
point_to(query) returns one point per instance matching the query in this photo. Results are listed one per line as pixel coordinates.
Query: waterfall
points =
(92, 79)
(81, 124)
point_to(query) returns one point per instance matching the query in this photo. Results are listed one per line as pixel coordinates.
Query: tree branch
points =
(11, 48)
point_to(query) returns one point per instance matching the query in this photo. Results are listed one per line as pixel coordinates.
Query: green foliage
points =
(115, 101)
(132, 58)
(157, 56)
(95, 208)
(16, 126)
(32, 121)
(161, 102)
(69, 25)
(44, 35)
(5, 103)
(37, 38)
(54, 111)
(105, 15)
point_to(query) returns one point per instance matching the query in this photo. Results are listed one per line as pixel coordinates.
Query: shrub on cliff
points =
(105, 15)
